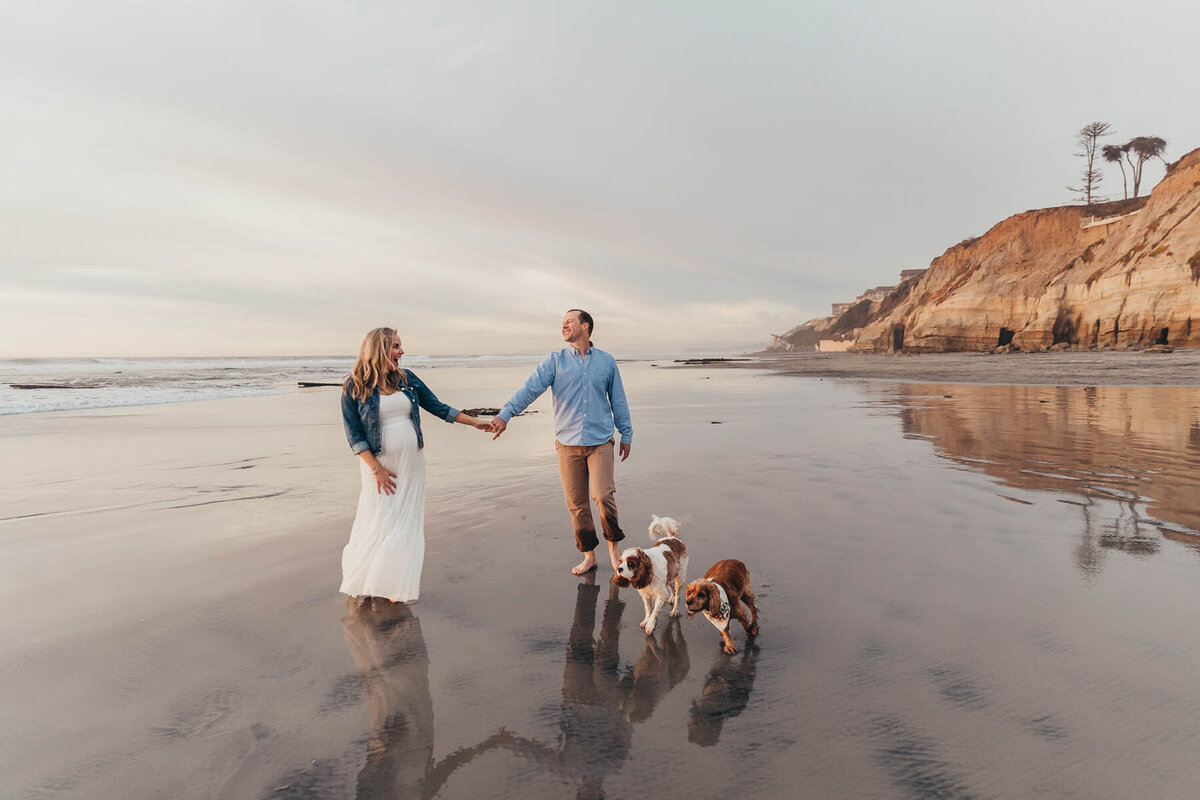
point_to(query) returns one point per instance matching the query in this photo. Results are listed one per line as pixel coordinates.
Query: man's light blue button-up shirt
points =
(589, 400)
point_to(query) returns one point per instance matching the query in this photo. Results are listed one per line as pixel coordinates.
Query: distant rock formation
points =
(839, 332)
(1126, 274)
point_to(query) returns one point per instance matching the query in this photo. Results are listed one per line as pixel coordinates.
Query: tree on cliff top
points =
(1115, 154)
(1091, 175)
(1141, 149)
(1136, 152)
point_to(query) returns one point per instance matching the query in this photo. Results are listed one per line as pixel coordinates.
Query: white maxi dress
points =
(387, 543)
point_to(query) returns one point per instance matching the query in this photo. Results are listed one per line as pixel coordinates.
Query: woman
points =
(381, 412)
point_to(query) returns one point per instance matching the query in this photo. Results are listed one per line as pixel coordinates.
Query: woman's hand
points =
(481, 425)
(385, 480)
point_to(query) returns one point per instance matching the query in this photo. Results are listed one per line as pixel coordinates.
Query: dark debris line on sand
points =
(1065, 368)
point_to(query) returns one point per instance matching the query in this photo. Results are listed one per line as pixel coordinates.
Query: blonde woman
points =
(381, 405)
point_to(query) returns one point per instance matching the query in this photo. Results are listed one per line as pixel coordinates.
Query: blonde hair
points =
(373, 369)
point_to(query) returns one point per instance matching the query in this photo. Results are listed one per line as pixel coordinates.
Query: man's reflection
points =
(600, 701)
(726, 692)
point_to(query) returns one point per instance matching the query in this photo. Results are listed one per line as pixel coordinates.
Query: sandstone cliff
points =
(1053, 276)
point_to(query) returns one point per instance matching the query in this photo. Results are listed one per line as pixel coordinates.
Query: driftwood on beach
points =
(707, 360)
(53, 386)
(489, 412)
(473, 412)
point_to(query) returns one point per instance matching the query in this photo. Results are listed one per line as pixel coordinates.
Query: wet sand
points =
(967, 591)
(1067, 368)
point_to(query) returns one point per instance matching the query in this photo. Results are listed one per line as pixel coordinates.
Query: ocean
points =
(66, 384)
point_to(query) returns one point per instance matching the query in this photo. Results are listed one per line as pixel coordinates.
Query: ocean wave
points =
(117, 382)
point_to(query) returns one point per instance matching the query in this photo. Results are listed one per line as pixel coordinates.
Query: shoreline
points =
(1066, 368)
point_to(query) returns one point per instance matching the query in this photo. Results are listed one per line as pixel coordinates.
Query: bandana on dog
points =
(721, 619)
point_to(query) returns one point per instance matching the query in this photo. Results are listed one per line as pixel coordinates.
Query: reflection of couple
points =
(601, 701)
(381, 413)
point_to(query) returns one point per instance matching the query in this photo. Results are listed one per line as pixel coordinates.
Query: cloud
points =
(688, 172)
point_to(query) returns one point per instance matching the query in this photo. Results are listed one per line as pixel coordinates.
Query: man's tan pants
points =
(588, 470)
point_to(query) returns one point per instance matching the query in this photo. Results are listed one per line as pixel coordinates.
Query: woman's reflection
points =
(389, 653)
(726, 692)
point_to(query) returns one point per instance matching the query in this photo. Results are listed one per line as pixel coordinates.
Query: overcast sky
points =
(216, 178)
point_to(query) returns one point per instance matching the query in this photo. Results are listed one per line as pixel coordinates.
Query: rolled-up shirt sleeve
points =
(356, 434)
(538, 382)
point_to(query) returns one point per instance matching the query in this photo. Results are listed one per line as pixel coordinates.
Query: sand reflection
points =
(1128, 455)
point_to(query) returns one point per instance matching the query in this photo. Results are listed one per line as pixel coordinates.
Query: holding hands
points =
(497, 426)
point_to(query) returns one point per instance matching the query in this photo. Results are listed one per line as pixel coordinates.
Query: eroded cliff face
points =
(1041, 278)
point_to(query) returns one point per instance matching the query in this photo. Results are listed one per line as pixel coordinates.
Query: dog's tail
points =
(662, 527)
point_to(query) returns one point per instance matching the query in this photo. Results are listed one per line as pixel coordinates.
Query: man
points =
(589, 401)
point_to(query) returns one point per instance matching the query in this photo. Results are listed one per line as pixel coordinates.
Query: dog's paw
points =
(753, 630)
(674, 613)
(650, 629)
(643, 623)
(730, 649)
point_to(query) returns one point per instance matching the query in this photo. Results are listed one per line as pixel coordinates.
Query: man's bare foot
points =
(587, 565)
(614, 553)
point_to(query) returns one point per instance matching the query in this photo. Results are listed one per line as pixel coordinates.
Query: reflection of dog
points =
(658, 670)
(725, 694)
(720, 594)
(658, 572)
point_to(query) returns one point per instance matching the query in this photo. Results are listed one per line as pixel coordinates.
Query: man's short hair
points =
(585, 318)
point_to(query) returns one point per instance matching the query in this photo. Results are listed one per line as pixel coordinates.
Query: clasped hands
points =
(497, 426)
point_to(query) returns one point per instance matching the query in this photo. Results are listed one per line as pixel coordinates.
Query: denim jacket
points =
(361, 417)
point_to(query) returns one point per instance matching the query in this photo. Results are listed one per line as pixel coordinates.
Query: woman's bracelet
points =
(378, 469)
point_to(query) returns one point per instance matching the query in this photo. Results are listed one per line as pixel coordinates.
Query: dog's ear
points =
(689, 594)
(639, 564)
(714, 599)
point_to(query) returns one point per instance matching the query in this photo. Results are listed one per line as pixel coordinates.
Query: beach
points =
(1053, 368)
(972, 587)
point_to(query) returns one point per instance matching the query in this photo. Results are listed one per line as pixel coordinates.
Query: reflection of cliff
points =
(1132, 445)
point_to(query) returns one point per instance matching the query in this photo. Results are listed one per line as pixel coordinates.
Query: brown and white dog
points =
(658, 572)
(720, 594)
